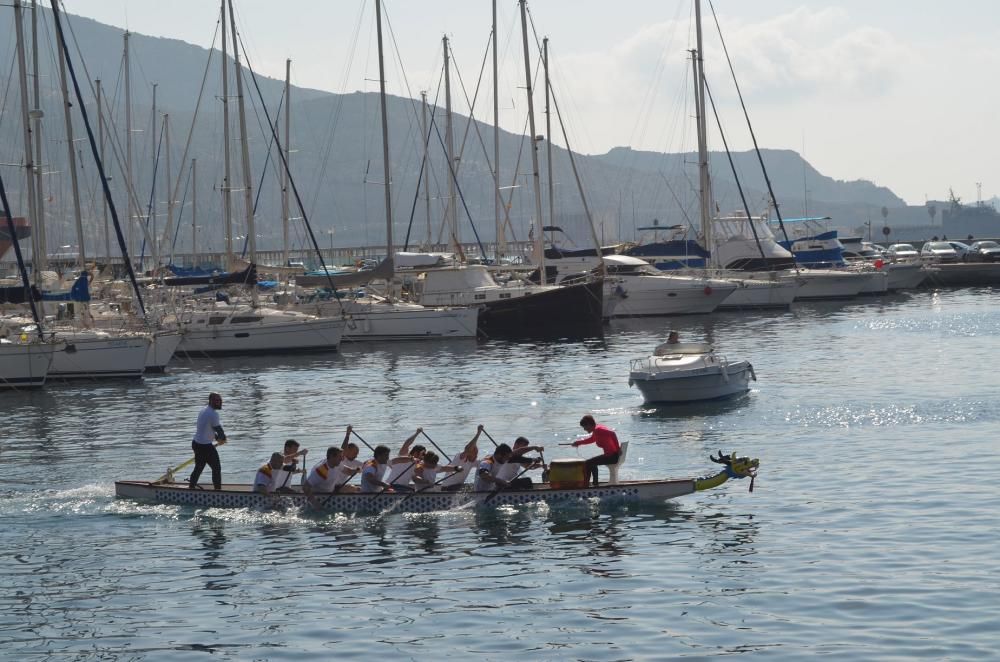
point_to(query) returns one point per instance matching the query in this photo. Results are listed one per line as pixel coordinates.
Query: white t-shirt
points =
(459, 476)
(322, 478)
(208, 420)
(264, 478)
(346, 469)
(371, 471)
(430, 477)
(401, 473)
(508, 471)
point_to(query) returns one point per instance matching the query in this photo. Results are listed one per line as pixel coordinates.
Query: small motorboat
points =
(689, 372)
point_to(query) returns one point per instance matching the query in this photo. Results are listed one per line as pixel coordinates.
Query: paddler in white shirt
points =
(465, 461)
(487, 479)
(425, 474)
(349, 466)
(263, 482)
(373, 470)
(513, 469)
(401, 467)
(323, 476)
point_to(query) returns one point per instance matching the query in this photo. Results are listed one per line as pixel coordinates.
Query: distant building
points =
(959, 221)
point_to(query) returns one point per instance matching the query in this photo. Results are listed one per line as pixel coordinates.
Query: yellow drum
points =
(567, 474)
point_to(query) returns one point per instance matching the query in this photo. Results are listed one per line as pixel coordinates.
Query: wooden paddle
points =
(169, 476)
(444, 456)
(490, 437)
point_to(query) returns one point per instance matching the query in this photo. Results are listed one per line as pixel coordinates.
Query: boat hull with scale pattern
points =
(242, 496)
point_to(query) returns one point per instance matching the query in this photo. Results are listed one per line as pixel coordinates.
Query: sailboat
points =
(373, 317)
(24, 362)
(635, 288)
(83, 353)
(224, 329)
(513, 307)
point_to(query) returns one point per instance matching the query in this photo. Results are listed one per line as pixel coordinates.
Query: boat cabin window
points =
(245, 320)
(634, 269)
(216, 320)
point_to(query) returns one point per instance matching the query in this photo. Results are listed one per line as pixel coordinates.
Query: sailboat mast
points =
(37, 115)
(100, 133)
(496, 143)
(703, 177)
(450, 147)
(244, 149)
(548, 133)
(194, 212)
(539, 238)
(37, 248)
(170, 188)
(427, 165)
(385, 137)
(285, 214)
(77, 215)
(227, 201)
(130, 206)
(151, 220)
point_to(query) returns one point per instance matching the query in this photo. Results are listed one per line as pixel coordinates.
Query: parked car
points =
(878, 251)
(902, 252)
(961, 249)
(938, 251)
(984, 251)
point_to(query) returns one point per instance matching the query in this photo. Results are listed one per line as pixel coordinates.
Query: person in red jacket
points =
(606, 439)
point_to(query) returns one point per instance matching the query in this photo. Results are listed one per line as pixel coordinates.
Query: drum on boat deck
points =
(567, 474)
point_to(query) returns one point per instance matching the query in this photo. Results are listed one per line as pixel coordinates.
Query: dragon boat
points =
(553, 493)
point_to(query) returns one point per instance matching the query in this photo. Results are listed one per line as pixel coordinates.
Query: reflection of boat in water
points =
(243, 496)
(21, 227)
(688, 372)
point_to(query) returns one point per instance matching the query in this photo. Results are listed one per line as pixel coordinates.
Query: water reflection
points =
(425, 530)
(693, 410)
(212, 536)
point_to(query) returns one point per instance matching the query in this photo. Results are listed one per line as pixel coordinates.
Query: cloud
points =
(810, 52)
(638, 92)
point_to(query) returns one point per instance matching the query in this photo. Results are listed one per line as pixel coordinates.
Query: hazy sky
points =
(901, 93)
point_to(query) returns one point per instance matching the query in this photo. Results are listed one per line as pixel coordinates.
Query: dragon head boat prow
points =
(735, 467)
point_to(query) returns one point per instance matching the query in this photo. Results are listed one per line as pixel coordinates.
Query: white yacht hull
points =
(707, 383)
(637, 296)
(25, 365)
(400, 321)
(317, 334)
(162, 349)
(816, 284)
(92, 357)
(876, 282)
(754, 293)
(903, 276)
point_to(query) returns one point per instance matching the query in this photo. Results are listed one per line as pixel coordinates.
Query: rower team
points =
(412, 469)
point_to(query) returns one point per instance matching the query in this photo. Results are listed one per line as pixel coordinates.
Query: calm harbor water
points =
(871, 534)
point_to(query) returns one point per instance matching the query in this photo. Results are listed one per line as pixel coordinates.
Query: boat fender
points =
(708, 290)
(753, 375)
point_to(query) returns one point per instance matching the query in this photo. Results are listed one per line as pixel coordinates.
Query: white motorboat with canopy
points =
(689, 372)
